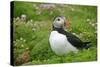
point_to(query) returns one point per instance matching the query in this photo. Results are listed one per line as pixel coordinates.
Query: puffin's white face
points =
(59, 22)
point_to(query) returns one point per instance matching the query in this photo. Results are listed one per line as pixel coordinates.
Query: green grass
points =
(32, 46)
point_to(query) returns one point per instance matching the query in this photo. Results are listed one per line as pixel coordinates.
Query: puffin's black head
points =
(60, 22)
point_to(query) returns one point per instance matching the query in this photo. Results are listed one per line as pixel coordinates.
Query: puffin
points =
(63, 42)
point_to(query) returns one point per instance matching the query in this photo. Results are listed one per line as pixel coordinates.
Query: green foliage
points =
(31, 37)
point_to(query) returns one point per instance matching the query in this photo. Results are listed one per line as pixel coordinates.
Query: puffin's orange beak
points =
(67, 24)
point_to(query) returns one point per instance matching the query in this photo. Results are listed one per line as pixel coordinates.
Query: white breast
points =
(60, 44)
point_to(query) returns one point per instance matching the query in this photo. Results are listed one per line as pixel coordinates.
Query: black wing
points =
(74, 40)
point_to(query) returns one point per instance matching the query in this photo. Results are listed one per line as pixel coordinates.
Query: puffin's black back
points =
(75, 41)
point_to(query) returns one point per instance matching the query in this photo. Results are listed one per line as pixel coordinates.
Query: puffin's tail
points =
(86, 45)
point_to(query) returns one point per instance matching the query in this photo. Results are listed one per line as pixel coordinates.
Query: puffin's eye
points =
(58, 19)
